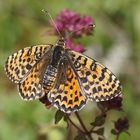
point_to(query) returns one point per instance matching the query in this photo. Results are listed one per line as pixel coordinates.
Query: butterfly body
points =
(67, 78)
(49, 77)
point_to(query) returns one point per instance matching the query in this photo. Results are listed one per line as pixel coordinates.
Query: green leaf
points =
(124, 136)
(100, 131)
(58, 116)
(99, 120)
(66, 120)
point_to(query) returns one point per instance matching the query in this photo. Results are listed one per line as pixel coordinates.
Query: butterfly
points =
(67, 78)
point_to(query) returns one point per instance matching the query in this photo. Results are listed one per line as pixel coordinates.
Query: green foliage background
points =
(22, 23)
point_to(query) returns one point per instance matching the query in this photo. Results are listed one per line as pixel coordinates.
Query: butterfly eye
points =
(77, 64)
(38, 56)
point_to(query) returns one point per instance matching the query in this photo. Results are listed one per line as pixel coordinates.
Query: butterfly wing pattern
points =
(26, 67)
(66, 94)
(65, 77)
(20, 63)
(97, 82)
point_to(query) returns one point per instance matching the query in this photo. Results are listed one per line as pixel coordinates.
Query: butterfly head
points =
(60, 42)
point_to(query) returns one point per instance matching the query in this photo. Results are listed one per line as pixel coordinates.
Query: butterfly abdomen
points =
(49, 77)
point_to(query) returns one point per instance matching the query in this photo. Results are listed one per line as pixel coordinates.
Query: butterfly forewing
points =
(97, 82)
(20, 63)
(66, 94)
(31, 87)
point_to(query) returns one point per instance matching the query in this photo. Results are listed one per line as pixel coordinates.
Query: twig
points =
(74, 124)
(91, 130)
(83, 126)
(117, 138)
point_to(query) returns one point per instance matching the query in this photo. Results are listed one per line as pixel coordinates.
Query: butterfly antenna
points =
(52, 20)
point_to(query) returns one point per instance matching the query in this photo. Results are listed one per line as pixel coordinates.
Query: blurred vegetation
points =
(22, 23)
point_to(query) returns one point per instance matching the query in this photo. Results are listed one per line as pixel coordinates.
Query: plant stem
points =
(117, 138)
(74, 124)
(83, 126)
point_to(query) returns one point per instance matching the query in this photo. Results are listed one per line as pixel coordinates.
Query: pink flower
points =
(72, 25)
(75, 47)
(115, 103)
(70, 22)
(45, 101)
(122, 124)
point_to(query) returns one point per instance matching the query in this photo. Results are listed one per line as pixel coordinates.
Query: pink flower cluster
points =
(72, 25)
(75, 47)
(70, 22)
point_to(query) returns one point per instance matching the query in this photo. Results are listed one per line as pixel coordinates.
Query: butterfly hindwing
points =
(20, 63)
(66, 94)
(96, 81)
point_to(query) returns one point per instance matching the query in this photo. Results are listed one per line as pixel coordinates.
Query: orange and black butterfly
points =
(68, 78)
